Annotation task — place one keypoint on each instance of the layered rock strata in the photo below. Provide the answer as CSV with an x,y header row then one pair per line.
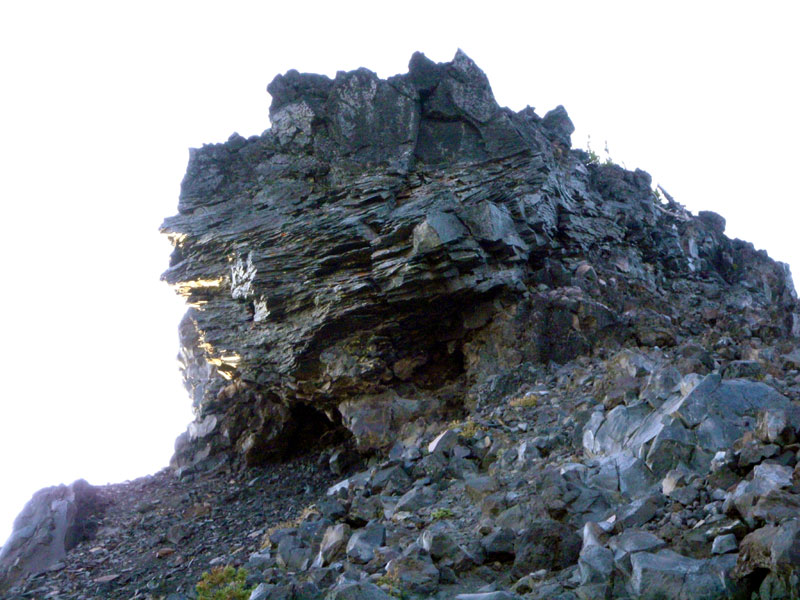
x,y
624,379
387,246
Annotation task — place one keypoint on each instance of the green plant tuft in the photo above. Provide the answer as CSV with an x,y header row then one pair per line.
x,y
594,157
442,513
469,429
390,584
223,583
526,401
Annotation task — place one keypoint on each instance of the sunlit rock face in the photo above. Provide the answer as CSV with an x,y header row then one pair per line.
x,y
388,247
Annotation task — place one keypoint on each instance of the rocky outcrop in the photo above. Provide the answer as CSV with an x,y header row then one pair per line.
x,y
389,246
509,371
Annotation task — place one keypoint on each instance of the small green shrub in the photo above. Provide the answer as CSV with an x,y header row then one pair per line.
x,y
658,198
223,583
594,158
469,429
442,513
390,584
466,429
526,401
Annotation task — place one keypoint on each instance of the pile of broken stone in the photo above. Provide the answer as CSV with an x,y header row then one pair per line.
x,y
152,536
633,476
688,487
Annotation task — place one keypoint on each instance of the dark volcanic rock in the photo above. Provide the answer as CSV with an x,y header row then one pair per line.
x,y
389,244
526,343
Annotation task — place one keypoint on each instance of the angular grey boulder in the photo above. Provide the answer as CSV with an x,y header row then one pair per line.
x,y
361,590
667,574
363,543
334,542
774,548
439,542
53,522
686,430
414,572
546,544
746,498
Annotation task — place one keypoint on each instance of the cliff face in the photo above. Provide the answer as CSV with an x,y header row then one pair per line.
x,y
390,248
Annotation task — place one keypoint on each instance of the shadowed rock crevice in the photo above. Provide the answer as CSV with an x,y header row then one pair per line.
x,y
316,431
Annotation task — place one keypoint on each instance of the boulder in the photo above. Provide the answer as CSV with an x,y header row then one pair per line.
x,y
628,543
546,544
416,498
776,426
444,442
333,543
55,520
667,574
439,542
775,548
686,430
479,487
293,554
596,566
363,543
638,512
361,590
747,496
499,545
414,571
723,544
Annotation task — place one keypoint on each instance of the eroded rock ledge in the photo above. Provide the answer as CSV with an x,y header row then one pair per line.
x,y
391,249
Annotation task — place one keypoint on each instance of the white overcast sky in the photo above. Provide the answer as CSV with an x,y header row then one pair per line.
x,y
100,102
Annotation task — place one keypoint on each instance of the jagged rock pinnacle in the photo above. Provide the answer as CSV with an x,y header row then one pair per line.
x,y
387,245
526,343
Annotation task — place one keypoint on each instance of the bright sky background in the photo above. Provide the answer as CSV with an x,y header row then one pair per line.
x,y
100,102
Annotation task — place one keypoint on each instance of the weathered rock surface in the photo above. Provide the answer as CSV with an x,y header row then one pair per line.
x,y
389,245
686,430
53,522
532,376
